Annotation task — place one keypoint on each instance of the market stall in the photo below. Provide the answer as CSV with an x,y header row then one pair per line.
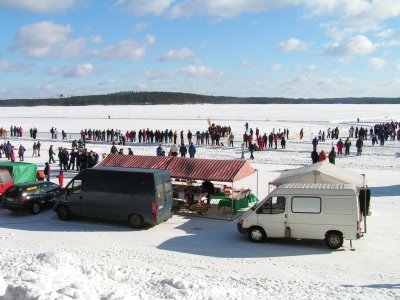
x,y
189,177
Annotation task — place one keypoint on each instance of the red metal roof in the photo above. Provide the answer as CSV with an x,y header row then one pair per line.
x,y
135,161
185,168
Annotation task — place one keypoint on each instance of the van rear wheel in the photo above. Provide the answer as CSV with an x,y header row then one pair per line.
x,y
334,240
136,220
257,234
63,213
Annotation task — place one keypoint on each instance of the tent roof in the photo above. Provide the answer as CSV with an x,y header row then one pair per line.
x,y
321,172
135,161
185,168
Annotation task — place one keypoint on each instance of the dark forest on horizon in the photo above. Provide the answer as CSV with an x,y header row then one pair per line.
x,y
168,98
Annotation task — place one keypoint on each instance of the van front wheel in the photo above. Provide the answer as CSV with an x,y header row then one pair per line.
x,y
63,213
135,220
334,240
257,234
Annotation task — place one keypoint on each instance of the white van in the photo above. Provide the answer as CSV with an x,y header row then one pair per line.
x,y
305,211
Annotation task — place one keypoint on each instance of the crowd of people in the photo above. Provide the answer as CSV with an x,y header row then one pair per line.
x,y
211,136
184,143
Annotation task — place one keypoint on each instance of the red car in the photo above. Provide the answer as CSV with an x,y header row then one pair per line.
x,y
6,181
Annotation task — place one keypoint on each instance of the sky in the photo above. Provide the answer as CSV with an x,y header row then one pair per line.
x,y
244,48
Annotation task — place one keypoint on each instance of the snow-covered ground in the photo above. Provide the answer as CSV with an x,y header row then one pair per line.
x,y
197,258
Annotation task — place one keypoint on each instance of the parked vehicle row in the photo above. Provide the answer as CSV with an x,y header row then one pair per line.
x,y
144,196
137,196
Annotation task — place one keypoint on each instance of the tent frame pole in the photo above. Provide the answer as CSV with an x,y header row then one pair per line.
x,y
257,183
365,204
232,215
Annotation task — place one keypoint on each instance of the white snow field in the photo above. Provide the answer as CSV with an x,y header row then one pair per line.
x,y
42,257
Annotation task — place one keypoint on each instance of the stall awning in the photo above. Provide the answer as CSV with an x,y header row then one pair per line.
x,y
185,168
321,172
135,161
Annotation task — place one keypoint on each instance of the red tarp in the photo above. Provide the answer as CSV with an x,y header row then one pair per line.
x,y
184,168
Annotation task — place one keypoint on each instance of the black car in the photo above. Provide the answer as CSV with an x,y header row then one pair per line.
x,y
32,196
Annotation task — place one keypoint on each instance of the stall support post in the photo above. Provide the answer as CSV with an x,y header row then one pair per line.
x,y
257,183
365,203
232,203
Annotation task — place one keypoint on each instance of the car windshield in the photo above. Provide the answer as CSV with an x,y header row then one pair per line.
x,y
18,191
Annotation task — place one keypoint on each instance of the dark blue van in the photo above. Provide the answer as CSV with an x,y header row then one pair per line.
x,y
139,196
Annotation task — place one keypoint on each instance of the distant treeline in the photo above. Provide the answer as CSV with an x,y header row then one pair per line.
x,y
153,98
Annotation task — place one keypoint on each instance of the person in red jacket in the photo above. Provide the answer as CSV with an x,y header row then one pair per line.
x,y
339,146
276,137
322,156
60,177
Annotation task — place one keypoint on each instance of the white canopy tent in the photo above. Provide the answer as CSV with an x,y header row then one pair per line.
x,y
321,172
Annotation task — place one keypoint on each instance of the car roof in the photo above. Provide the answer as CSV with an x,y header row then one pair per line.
x,y
33,183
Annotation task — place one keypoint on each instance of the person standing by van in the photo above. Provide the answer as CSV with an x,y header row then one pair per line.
x,y
46,171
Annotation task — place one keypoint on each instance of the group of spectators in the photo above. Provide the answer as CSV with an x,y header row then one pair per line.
x,y
78,158
211,136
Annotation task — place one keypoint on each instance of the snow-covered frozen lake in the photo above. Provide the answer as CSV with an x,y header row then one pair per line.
x,y
197,258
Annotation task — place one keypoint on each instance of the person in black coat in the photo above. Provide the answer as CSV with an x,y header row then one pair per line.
x,y
332,156
252,147
314,156
183,150
209,188
315,143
